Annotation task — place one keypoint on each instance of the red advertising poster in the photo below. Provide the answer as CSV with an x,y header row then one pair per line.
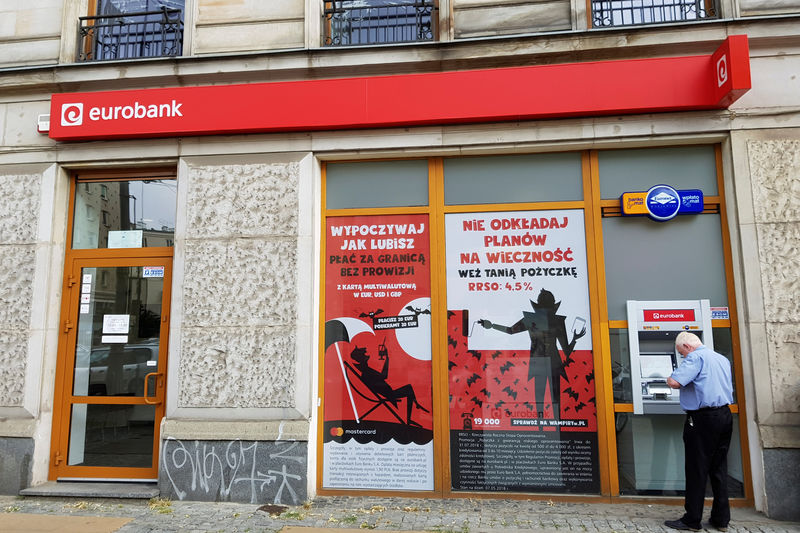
x,y
522,399
378,429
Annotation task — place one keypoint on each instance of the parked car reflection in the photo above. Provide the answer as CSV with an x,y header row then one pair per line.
x,y
119,369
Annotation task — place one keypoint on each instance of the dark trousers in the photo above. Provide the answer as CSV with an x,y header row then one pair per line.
x,y
706,438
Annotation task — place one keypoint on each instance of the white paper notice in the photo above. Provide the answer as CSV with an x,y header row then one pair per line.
x,y
87,278
114,339
125,239
116,324
84,309
153,272
86,298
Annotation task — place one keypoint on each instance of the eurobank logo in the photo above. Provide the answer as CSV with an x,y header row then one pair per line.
x,y
72,114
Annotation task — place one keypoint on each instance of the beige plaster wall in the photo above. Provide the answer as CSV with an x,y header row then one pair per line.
x,y
248,25
478,18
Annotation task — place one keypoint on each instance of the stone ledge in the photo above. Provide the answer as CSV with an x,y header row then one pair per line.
x,y
62,489
779,436
258,430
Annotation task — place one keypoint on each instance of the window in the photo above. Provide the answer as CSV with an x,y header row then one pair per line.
x,y
607,13
364,22
129,29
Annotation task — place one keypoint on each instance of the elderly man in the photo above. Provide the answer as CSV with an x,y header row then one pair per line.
x,y
704,379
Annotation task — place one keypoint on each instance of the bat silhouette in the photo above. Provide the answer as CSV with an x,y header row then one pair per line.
x,y
485,366
589,377
371,314
452,342
477,401
450,314
418,312
572,394
476,354
528,406
496,354
508,412
568,408
497,380
579,406
450,365
472,379
486,393
511,392
592,400
499,404
516,381
506,367
568,360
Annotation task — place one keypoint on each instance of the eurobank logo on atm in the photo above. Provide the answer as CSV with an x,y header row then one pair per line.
x,y
662,202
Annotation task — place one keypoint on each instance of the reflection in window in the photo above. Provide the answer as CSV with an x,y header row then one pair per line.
x,y
638,12
360,22
132,214
125,29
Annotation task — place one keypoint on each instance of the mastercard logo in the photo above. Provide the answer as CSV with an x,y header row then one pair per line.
x,y
337,432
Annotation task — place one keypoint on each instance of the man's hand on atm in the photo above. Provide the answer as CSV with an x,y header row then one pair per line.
x,y
673,384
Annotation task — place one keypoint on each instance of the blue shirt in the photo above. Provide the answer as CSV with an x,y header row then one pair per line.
x,y
705,378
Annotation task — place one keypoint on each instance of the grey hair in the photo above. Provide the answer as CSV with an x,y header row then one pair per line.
x,y
684,337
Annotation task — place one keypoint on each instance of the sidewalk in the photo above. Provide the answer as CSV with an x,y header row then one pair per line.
x,y
37,514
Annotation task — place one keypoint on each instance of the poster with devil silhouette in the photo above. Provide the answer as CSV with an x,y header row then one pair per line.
x,y
521,376
378,429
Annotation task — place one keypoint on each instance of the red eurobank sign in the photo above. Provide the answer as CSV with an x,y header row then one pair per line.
x,y
668,315
458,97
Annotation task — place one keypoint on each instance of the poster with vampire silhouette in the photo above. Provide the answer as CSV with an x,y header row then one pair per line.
x,y
523,414
378,430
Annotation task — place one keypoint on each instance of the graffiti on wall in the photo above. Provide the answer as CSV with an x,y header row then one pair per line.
x,y
242,471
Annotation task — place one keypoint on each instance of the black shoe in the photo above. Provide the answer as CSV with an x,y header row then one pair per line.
x,y
678,524
718,528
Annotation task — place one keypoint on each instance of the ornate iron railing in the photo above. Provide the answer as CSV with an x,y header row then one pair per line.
x,y
130,35
612,13
365,22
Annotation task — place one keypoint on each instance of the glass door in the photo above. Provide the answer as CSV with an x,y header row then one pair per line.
x,y
112,373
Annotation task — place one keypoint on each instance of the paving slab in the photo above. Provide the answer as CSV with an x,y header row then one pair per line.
x,y
38,523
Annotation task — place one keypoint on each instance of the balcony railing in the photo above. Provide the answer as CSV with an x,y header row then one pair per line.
x,y
365,22
130,35
613,13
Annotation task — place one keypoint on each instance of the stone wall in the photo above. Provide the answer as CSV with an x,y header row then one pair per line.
x,y
19,212
774,166
239,287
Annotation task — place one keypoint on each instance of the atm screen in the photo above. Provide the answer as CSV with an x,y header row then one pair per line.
x,y
656,366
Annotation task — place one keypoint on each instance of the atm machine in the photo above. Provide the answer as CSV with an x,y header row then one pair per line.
x,y
650,446
652,328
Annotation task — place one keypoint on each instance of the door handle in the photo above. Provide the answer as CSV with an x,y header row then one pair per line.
x,y
157,376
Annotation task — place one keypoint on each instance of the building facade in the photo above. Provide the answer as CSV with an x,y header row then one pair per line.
x,y
256,251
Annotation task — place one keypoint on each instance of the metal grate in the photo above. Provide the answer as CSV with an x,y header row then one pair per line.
x,y
610,13
364,22
130,35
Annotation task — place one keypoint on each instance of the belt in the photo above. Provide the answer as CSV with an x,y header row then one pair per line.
x,y
703,409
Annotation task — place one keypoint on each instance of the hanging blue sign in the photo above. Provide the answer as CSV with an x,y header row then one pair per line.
x,y
662,202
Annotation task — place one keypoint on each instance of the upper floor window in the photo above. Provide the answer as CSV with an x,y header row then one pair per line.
x,y
363,22
608,13
129,29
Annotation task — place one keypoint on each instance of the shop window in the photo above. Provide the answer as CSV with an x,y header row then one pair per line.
x,y
377,184
359,22
130,29
650,456
614,13
136,213
513,179
678,260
